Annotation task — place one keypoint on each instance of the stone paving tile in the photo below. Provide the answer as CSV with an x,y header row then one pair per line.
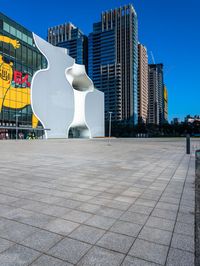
x,y
110,212
50,199
30,217
185,229
80,197
134,217
167,206
178,257
140,209
149,251
41,240
160,223
91,208
129,229
150,196
70,250
20,231
116,242
155,235
7,199
100,222
77,216
68,203
5,244
54,210
145,202
183,242
185,218
188,203
4,210
131,193
123,206
166,214
131,261
83,181
186,209
169,200
87,234
61,226
101,257
18,255
46,260
125,199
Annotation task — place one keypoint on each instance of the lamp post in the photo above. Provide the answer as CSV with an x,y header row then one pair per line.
x,y
110,122
16,122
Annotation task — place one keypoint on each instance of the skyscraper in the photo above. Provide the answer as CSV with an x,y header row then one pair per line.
x,y
113,61
69,36
156,94
165,104
142,84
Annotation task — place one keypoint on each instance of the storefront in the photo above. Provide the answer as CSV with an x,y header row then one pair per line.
x,y
19,60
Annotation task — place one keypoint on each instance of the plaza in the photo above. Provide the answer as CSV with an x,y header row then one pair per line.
x,y
84,202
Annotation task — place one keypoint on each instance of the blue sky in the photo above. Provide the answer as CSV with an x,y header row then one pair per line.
x,y
168,28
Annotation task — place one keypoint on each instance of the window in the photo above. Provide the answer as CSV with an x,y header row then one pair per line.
x,y
12,31
24,37
6,27
19,34
30,41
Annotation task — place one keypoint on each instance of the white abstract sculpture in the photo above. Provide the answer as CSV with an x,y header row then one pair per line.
x,y
63,97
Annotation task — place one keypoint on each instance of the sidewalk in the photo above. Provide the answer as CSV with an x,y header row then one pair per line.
x,y
82,202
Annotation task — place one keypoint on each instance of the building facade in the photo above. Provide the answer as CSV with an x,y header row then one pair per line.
x,y
19,60
113,62
165,104
72,38
143,90
156,94
43,90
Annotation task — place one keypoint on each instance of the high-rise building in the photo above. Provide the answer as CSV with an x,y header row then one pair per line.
x,y
72,38
165,104
113,61
143,89
156,94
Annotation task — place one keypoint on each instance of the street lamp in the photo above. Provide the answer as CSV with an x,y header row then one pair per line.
x,y
16,123
110,121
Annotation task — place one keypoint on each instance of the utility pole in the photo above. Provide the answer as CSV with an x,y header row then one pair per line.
x,y
110,122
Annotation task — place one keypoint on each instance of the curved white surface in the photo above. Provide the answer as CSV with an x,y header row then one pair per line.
x,y
63,96
52,97
94,113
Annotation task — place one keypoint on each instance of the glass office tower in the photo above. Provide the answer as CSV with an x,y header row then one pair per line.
x,y
19,59
156,94
72,38
113,62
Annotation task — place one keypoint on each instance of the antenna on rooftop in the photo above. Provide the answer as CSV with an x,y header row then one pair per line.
x,y
152,57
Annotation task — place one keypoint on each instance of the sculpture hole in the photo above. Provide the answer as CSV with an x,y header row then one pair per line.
x,y
79,132
82,84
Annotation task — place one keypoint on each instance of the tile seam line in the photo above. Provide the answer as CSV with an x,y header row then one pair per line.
x,y
180,160
179,208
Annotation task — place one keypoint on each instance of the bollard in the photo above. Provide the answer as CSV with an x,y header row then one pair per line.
x,y
188,144
197,163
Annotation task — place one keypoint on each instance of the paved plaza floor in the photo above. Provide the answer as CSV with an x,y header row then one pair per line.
x,y
83,202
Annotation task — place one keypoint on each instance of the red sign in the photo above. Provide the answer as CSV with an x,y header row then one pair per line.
x,y
20,79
